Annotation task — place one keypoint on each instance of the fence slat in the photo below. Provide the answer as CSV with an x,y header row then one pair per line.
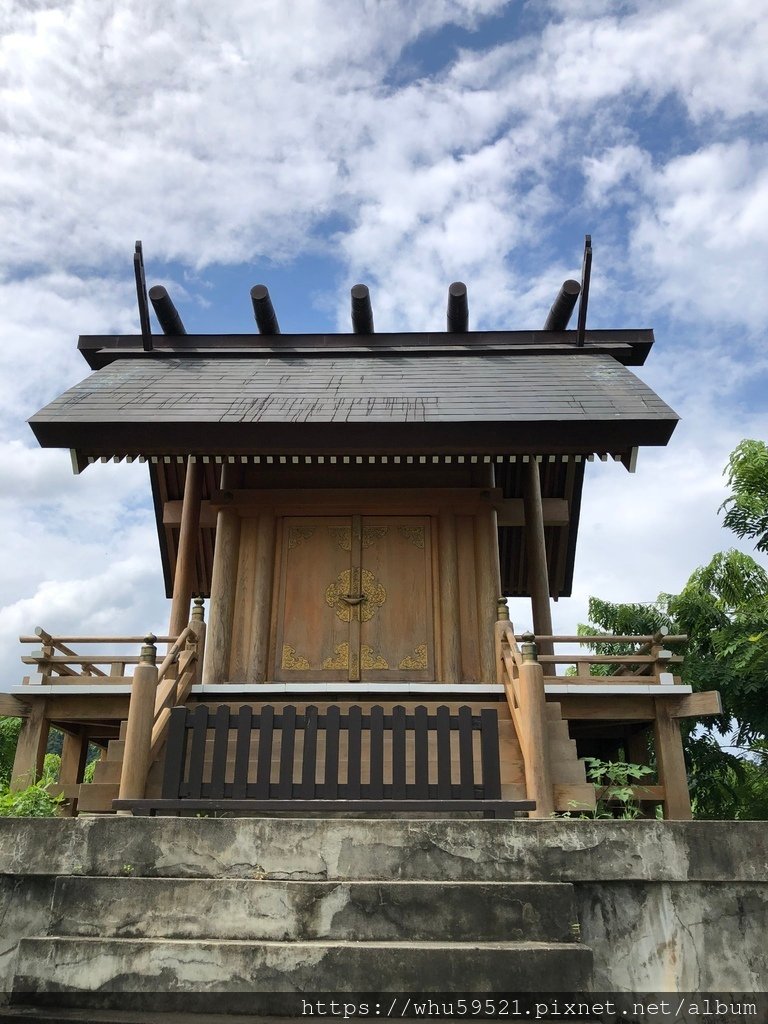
x,y
376,789
354,729
443,753
309,754
242,752
331,773
421,753
175,754
199,719
466,754
398,752
287,748
220,746
264,756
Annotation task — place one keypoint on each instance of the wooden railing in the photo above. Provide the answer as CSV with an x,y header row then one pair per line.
x,y
57,662
154,689
153,693
523,680
652,661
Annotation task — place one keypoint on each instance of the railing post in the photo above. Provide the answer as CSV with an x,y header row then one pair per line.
x,y
661,659
533,713
197,622
502,617
141,715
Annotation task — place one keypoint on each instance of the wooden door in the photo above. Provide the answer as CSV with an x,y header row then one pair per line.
x,y
355,599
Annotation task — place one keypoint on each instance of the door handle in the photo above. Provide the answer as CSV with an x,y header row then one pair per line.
x,y
351,599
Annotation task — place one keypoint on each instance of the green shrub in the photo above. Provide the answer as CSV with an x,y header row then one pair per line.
x,y
9,735
618,800
33,802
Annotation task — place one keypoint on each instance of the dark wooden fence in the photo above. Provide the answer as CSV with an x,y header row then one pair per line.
x,y
272,760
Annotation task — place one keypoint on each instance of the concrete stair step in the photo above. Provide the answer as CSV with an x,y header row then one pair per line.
x,y
183,908
161,973
310,849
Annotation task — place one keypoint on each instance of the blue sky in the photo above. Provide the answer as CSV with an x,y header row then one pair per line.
x,y
313,144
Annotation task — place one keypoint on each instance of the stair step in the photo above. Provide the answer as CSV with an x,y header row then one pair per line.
x,y
183,908
162,973
97,796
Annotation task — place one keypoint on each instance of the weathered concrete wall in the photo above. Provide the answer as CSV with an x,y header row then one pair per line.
x,y
665,906
676,936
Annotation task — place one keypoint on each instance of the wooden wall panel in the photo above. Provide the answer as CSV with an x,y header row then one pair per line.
x,y
448,575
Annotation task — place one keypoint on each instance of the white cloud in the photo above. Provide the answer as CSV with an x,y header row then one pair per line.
x,y
701,234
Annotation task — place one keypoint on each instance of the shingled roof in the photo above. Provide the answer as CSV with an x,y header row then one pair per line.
x,y
464,401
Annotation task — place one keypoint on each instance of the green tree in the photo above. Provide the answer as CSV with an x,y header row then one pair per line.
x,y
9,735
747,507
723,609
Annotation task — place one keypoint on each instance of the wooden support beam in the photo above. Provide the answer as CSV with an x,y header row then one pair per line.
x,y
262,598
671,763
222,604
172,511
184,578
511,511
693,705
74,751
30,749
11,707
488,577
536,551
554,510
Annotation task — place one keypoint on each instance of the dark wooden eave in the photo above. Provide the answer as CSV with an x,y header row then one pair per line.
x,y
458,401
630,347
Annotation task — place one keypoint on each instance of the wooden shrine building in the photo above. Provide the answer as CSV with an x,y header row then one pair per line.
x,y
354,506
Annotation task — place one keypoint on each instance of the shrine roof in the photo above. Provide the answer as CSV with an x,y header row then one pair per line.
x,y
459,400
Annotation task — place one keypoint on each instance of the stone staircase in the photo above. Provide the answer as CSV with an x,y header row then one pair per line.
x,y
162,922
568,772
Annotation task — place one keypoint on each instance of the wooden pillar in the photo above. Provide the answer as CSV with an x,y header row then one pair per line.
x,y
450,622
536,552
221,612
671,763
488,588
30,749
258,670
138,732
74,751
186,556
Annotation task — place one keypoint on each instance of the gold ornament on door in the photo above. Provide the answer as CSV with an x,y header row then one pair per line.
x,y
355,589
